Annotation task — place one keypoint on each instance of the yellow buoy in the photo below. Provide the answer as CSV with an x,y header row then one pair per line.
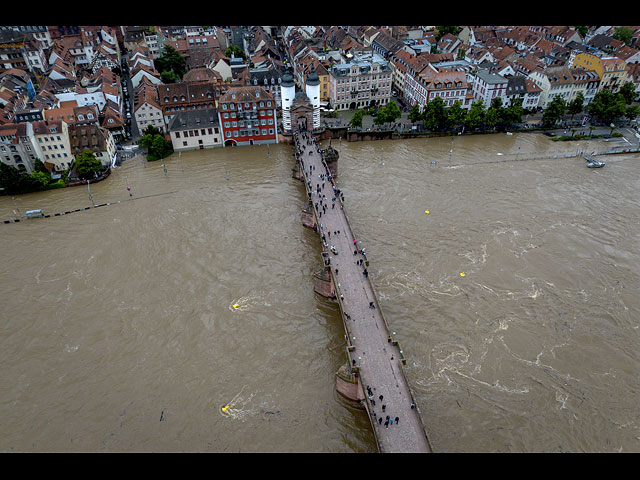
x,y
462,274
235,305
427,212
224,409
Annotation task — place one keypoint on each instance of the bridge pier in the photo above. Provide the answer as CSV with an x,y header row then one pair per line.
x,y
323,285
348,385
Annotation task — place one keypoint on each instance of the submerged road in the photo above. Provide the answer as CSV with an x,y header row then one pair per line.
x,y
376,354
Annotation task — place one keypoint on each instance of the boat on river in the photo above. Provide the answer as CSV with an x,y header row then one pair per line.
x,y
593,163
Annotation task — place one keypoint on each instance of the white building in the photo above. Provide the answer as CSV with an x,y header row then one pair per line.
x,y
146,108
16,147
487,86
312,89
287,94
362,82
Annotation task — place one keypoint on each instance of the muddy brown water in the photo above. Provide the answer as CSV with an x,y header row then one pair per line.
x,y
184,319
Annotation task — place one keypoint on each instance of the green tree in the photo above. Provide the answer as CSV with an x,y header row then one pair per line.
x,y
14,181
632,112
513,113
576,105
235,51
492,116
582,30
628,91
455,115
171,61
156,145
169,77
38,166
607,106
415,115
495,113
554,111
435,115
389,113
87,164
40,179
393,111
623,34
444,29
476,114
151,130
356,120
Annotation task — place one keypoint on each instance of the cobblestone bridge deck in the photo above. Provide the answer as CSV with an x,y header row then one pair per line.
x,y
374,359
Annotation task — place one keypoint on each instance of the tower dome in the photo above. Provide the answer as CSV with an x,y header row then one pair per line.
x,y
287,80
313,79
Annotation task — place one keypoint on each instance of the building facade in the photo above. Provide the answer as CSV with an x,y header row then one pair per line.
x,y
247,116
362,82
195,129
488,85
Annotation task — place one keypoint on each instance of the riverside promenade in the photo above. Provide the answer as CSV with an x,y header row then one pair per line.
x,y
375,357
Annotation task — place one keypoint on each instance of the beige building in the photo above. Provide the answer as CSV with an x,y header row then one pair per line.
x,y
51,138
195,129
362,82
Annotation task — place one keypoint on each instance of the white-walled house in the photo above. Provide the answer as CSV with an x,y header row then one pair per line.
x,y
488,85
146,108
143,71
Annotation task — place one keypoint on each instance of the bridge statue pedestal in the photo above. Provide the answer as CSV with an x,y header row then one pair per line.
x,y
330,156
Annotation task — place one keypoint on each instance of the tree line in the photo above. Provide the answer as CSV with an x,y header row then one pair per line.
x,y
606,107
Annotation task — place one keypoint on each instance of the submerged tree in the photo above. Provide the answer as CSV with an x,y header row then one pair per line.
x,y
87,165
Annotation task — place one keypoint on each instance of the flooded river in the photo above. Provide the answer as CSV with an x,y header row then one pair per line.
x,y
183,318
